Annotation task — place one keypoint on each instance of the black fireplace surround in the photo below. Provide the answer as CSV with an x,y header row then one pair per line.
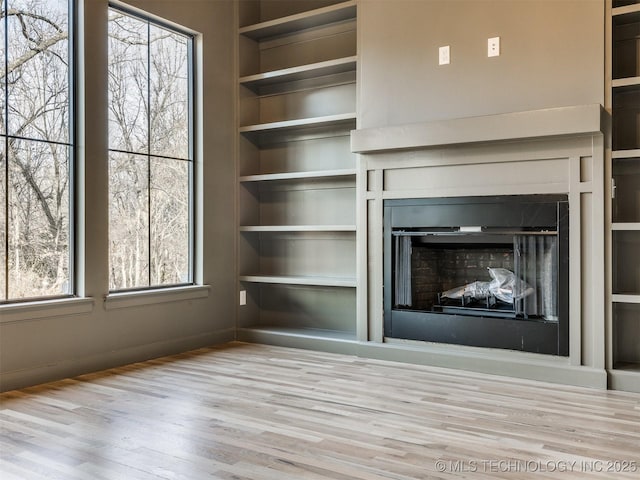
x,y
480,271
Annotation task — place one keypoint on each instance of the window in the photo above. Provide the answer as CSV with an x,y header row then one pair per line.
x,y
150,153
36,149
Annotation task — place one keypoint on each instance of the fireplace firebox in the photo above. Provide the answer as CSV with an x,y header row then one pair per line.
x,y
479,271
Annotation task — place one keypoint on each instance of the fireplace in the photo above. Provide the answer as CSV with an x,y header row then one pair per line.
x,y
478,271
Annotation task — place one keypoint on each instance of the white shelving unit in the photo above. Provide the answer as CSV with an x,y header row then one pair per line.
x,y
624,357
297,175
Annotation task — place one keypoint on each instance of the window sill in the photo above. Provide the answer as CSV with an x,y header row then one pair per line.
x,y
44,309
150,297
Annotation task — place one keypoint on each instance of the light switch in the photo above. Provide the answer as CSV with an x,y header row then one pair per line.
x,y
444,55
243,297
493,47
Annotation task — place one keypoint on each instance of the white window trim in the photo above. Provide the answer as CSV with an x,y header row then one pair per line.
x,y
41,309
152,296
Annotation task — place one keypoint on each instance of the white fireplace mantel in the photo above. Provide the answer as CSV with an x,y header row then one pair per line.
x,y
528,125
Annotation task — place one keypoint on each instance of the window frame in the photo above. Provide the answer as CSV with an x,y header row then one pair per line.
x,y
73,13
192,73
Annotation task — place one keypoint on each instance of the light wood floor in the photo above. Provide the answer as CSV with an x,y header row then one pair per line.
x,y
259,412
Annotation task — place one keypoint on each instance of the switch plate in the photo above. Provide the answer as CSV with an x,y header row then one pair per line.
x,y
444,55
243,297
493,47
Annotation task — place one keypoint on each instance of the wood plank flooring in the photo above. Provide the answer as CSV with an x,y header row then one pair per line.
x,y
244,411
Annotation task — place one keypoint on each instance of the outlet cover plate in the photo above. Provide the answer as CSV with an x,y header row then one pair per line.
x,y
444,55
493,47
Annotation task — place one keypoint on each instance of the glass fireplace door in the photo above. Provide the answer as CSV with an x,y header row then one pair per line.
x,y
478,271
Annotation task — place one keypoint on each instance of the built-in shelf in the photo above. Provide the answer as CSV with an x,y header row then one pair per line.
x,y
308,338
622,226
302,72
625,298
624,376
627,367
629,82
328,120
624,103
625,153
298,175
625,10
301,21
300,280
298,228
297,239
305,332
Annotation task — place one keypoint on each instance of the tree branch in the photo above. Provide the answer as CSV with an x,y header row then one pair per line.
x,y
36,49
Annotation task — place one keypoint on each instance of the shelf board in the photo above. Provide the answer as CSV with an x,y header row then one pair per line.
x,y
626,377
307,338
627,367
298,228
625,10
302,72
300,280
625,153
304,332
625,298
624,226
327,120
346,172
628,82
300,21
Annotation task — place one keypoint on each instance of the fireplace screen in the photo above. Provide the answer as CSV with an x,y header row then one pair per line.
x,y
499,282
505,274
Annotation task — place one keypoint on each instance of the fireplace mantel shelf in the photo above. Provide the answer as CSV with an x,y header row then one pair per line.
x,y
532,124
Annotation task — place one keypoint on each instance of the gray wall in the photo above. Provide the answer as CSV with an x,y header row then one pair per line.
x,y
33,350
552,55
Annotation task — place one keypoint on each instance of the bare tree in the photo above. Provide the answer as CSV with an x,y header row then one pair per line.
x,y
149,139
35,154
149,160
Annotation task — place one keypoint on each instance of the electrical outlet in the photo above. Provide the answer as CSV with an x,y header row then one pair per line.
x,y
493,47
243,297
444,55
